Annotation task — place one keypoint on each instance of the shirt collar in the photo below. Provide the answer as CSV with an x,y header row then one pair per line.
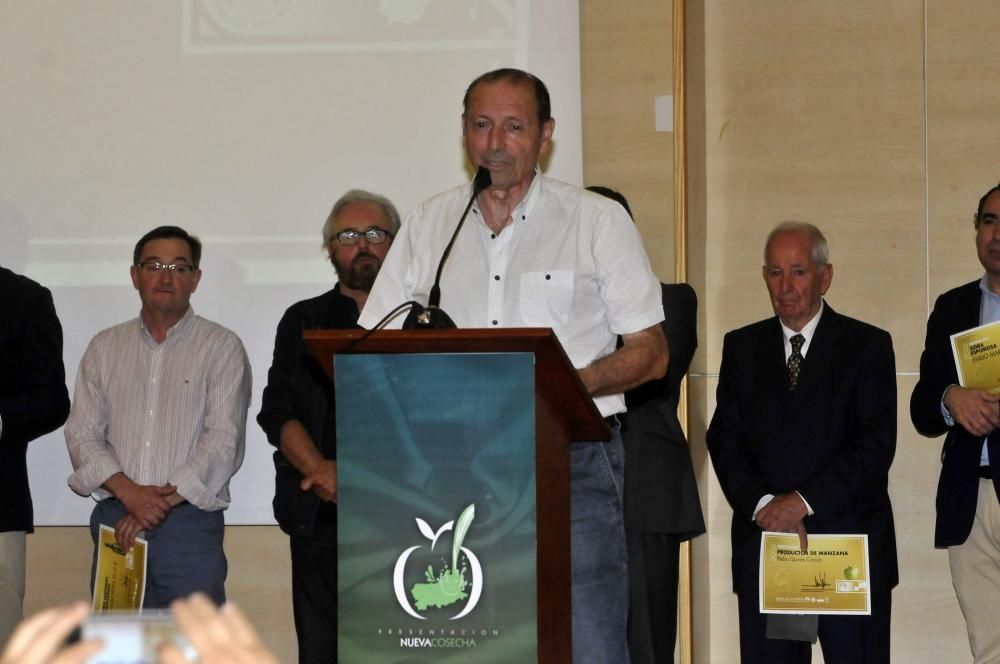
x,y
344,301
989,302
984,285
807,331
527,203
175,331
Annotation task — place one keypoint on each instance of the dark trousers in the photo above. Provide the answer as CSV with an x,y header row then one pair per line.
x,y
844,639
653,563
185,553
314,593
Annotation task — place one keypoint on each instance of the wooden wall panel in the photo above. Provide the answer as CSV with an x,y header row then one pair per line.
x,y
626,61
816,111
963,102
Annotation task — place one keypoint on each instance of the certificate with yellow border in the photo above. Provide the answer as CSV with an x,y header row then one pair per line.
x,y
977,357
830,578
120,582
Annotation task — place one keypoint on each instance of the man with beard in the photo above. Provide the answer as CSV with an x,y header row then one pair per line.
x,y
298,417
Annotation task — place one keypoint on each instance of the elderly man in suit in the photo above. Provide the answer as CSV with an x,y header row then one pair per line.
x,y
968,495
33,402
802,439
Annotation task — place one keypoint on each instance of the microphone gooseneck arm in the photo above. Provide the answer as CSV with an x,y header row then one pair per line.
x,y
432,316
481,181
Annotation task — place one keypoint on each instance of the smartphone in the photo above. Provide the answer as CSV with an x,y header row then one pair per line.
x,y
133,638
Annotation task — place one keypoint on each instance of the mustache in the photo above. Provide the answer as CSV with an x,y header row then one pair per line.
x,y
498,155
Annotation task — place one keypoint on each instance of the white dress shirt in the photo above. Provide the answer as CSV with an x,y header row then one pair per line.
x,y
570,260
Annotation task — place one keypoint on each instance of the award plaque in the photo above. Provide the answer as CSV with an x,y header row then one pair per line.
x,y
120,582
831,577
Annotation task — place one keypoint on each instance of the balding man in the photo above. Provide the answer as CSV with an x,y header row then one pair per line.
x,y
802,439
537,252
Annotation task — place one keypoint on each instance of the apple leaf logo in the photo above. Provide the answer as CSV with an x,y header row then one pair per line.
x,y
452,583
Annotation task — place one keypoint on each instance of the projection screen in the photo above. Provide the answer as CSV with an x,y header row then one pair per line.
x,y
242,121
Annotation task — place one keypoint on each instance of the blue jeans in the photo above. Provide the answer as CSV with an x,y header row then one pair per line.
x,y
597,535
184,556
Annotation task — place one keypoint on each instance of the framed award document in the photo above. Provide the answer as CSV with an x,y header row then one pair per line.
x,y
831,577
120,581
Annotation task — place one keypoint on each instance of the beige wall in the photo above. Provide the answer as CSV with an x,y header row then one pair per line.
x,y
824,112
625,53
875,121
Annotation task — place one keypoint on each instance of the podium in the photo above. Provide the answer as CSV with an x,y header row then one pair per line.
x,y
453,492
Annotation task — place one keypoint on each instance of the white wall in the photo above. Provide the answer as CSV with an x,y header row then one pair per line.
x,y
241,121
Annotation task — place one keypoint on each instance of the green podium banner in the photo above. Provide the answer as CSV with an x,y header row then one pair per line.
x,y
436,508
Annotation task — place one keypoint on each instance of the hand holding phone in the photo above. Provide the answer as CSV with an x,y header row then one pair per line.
x,y
219,635
42,637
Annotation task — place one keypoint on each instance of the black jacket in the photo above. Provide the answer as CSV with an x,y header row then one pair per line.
x,y
299,389
33,395
661,495
958,486
832,439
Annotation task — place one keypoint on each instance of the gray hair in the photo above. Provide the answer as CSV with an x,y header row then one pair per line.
x,y
360,196
820,252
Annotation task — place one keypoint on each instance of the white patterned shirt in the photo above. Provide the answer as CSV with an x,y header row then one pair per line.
x,y
174,412
570,260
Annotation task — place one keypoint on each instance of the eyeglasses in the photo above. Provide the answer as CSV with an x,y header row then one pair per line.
x,y
155,267
373,235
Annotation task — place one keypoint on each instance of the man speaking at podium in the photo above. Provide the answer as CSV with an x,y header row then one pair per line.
x,y
540,253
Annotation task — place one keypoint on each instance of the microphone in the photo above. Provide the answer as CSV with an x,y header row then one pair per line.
x,y
432,317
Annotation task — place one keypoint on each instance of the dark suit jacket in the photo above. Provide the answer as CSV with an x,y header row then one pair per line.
x,y
33,395
958,486
832,439
661,495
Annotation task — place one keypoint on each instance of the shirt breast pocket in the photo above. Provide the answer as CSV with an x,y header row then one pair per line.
x,y
546,297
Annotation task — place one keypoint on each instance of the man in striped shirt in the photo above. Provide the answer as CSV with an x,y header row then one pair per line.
x,y
158,424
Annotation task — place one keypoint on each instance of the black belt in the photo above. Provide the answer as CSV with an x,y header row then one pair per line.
x,y
985,473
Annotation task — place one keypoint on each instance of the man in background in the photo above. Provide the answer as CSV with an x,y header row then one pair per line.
x,y
297,414
802,438
662,508
33,402
158,424
536,252
968,494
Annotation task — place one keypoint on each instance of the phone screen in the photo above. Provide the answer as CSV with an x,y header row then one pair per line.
x,y
133,638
